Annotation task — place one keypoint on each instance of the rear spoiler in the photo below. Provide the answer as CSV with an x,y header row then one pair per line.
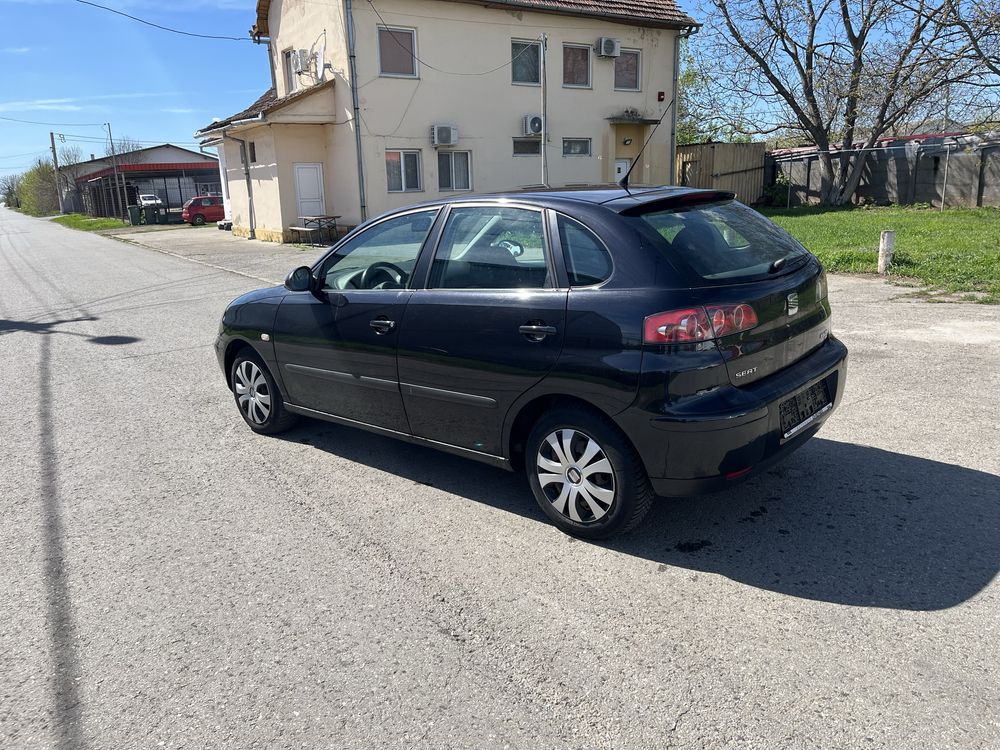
x,y
670,202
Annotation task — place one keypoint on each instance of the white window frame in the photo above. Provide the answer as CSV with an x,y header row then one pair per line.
x,y
538,46
638,70
402,170
590,66
378,51
291,77
590,147
451,164
526,139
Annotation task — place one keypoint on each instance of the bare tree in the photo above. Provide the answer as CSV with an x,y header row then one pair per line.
x,y
125,150
980,23
10,189
834,70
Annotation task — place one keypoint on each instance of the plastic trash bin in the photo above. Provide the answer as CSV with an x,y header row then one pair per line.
x,y
133,215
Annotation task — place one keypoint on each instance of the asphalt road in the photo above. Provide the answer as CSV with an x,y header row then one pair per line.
x,y
169,579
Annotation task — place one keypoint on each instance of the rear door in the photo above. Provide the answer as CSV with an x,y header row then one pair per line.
x,y
487,327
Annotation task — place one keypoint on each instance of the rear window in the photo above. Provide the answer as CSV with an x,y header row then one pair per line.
x,y
722,241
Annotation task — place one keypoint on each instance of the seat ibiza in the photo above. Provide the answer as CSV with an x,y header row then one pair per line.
x,y
612,344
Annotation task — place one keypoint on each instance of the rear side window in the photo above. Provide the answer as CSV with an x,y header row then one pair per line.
x,y
721,241
588,262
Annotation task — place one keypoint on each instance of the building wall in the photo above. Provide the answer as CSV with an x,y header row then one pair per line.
x,y
264,182
397,113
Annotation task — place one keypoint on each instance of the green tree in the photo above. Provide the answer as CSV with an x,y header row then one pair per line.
x,y
38,190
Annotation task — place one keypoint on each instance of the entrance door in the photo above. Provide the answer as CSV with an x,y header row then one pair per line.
x,y
309,198
621,167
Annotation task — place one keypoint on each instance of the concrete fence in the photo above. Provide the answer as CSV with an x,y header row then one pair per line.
x,y
949,171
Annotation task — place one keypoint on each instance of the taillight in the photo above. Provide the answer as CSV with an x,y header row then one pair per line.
x,y
728,319
698,324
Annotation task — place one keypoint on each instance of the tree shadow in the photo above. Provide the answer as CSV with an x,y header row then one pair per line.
x,y
834,522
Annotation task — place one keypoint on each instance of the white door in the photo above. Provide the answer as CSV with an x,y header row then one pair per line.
x,y
309,198
621,167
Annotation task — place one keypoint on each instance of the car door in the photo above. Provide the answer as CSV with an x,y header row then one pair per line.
x,y
336,348
487,326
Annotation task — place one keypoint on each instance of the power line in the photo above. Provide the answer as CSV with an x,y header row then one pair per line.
x,y
166,28
57,124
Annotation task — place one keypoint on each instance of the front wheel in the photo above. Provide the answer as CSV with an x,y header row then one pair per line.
x,y
257,397
585,474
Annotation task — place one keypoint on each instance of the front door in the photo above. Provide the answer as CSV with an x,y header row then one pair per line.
x,y
488,327
309,197
621,168
336,349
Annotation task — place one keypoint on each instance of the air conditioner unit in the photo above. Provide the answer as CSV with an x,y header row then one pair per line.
x,y
444,135
301,61
608,47
532,124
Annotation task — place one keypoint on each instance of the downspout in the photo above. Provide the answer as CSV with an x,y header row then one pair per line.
x,y
357,106
244,157
684,33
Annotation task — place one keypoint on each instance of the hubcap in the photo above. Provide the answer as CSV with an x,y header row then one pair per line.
x,y
252,393
575,475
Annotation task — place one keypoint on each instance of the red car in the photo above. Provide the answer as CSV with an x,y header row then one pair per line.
x,y
203,208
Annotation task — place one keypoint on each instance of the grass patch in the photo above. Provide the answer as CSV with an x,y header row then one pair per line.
x,y
955,251
88,223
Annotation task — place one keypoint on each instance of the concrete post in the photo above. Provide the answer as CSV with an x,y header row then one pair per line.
x,y
886,247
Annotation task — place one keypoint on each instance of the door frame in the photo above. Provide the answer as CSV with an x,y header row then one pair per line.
x,y
322,187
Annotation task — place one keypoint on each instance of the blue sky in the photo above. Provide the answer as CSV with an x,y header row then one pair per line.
x,y
64,62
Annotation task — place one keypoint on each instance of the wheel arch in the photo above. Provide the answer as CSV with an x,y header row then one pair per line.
x,y
530,412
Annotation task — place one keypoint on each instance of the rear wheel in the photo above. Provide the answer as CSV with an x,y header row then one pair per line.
x,y
198,220
585,474
257,396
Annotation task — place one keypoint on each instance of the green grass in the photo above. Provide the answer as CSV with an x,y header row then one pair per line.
x,y
88,223
955,251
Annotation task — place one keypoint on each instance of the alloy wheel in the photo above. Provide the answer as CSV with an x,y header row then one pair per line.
x,y
252,392
575,475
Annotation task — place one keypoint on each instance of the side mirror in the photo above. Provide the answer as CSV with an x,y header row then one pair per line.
x,y
300,280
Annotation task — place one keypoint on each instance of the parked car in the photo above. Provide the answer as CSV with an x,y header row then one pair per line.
x,y
150,200
203,208
612,344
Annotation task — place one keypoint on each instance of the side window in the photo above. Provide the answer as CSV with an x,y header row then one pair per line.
x,y
588,261
381,257
491,247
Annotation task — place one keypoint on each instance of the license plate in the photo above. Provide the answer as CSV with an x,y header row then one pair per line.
x,y
800,411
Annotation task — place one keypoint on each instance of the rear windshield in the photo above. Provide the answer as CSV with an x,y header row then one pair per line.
x,y
722,241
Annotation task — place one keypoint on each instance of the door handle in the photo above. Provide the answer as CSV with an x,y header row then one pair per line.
x,y
381,325
537,332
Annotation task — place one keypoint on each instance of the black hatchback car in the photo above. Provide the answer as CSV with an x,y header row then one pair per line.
x,y
613,344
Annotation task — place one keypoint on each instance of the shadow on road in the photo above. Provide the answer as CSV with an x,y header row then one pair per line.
x,y
834,522
67,672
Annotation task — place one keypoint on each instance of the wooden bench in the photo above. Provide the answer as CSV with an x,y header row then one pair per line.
x,y
305,230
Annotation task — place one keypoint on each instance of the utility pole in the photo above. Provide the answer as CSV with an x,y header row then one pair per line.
x,y
118,199
55,166
545,119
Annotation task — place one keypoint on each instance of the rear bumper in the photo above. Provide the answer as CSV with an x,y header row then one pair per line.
x,y
737,433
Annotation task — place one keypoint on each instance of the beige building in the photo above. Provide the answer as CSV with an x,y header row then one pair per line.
x,y
445,97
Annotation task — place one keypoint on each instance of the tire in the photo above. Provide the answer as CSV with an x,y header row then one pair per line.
x,y
197,220
257,397
575,494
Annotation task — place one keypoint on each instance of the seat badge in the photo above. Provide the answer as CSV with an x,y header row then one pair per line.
x,y
793,303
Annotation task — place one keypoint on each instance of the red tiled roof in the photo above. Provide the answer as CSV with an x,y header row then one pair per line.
x,y
268,102
656,13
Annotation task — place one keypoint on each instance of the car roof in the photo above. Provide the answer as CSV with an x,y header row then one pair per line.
x,y
614,197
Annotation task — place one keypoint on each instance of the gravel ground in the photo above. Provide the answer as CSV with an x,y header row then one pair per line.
x,y
169,579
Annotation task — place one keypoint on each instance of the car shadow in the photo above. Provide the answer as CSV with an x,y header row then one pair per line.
x,y
834,522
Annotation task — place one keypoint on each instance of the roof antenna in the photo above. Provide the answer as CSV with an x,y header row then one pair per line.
x,y
623,182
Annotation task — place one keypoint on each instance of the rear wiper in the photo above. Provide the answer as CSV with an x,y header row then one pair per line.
x,y
780,263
